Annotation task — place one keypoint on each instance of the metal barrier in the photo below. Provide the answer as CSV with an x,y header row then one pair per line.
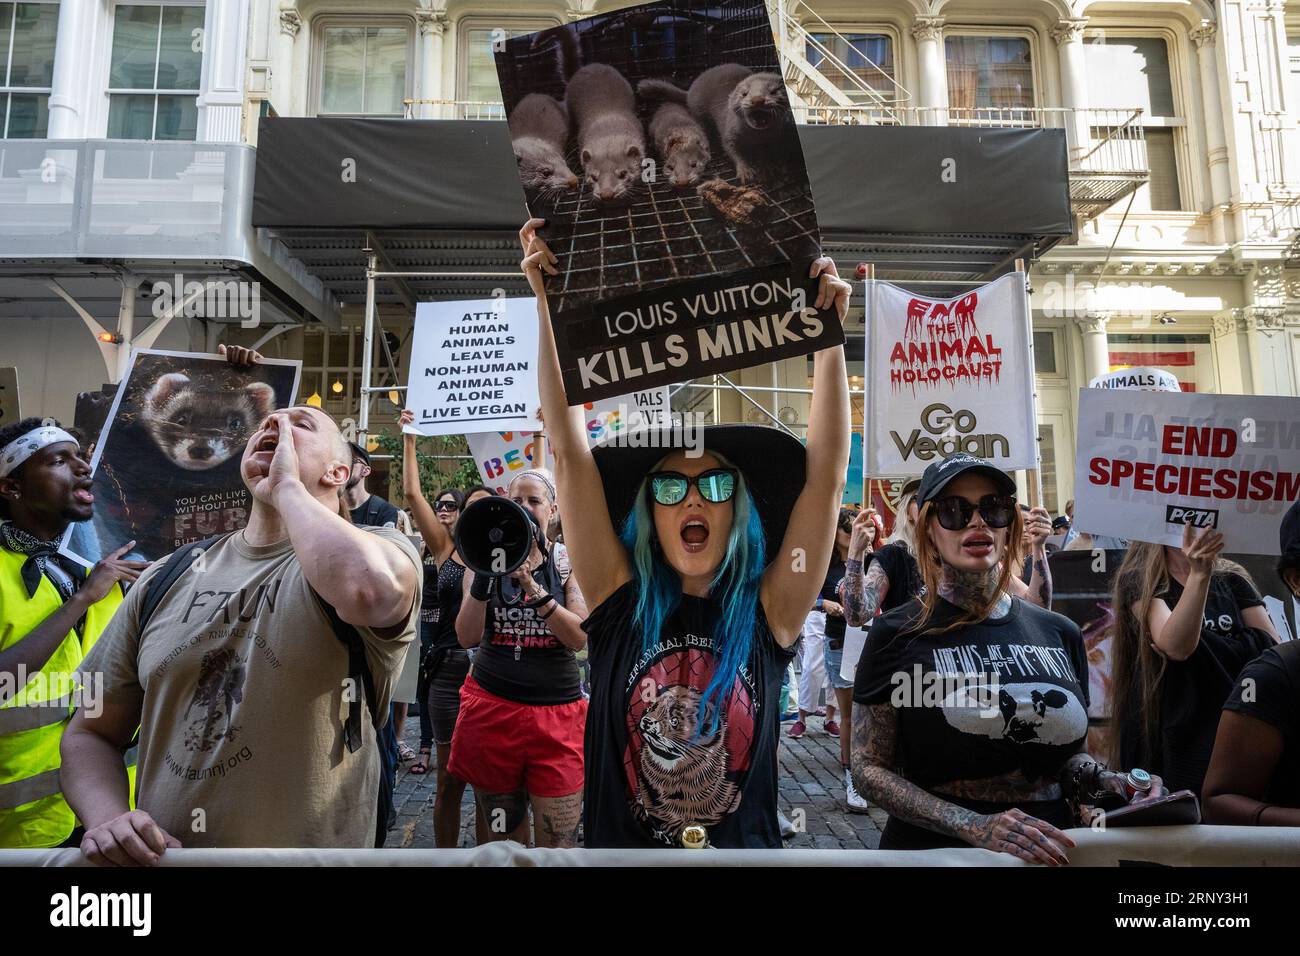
x,y
1166,846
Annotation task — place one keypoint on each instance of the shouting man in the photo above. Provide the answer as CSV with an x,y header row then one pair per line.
x,y
245,678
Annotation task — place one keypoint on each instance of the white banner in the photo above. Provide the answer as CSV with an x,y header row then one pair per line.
x,y
1143,378
501,455
1149,462
947,376
473,367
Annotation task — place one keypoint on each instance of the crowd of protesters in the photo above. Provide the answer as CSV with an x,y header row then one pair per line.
x,y
673,575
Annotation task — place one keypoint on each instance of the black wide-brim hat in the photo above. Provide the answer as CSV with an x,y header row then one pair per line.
x,y
773,462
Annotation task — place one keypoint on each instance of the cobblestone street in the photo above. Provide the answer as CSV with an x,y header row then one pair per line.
x,y
811,796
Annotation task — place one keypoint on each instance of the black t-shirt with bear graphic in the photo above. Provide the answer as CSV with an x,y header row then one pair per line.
x,y
651,766
978,701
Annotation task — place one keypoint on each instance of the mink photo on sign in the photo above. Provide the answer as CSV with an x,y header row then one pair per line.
x,y
166,465
658,144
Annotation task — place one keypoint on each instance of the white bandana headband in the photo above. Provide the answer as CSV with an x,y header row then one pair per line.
x,y
24,446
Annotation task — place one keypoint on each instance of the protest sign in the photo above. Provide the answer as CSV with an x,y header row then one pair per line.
x,y
659,146
500,455
947,376
1142,378
9,404
613,416
1150,462
473,366
166,466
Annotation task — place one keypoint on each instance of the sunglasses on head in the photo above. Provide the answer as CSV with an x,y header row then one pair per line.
x,y
954,512
446,506
671,487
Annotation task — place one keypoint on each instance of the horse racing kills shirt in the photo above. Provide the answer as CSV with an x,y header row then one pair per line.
x,y
240,683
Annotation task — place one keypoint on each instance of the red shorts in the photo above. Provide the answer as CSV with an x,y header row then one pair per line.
x,y
500,746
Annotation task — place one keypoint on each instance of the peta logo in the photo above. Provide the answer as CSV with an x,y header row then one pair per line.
x,y
74,909
1199,517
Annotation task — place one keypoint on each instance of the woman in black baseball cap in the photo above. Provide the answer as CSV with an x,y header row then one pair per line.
x,y
700,564
981,698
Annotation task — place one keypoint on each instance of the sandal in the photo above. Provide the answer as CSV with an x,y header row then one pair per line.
x,y
421,765
404,752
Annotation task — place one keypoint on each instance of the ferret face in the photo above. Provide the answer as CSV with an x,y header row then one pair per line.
x,y
687,155
612,166
200,428
760,101
541,166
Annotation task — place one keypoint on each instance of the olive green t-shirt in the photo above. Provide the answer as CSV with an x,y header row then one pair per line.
x,y
242,689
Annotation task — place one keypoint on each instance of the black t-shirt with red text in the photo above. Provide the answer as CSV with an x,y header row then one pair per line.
x,y
652,767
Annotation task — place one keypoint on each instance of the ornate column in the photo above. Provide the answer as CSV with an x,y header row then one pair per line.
x,y
282,71
433,28
68,90
1216,141
1270,363
1096,347
1068,34
932,79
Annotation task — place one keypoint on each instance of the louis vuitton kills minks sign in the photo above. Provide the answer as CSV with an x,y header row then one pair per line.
x,y
658,144
947,376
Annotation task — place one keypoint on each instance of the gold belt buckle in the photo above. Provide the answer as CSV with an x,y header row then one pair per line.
x,y
693,836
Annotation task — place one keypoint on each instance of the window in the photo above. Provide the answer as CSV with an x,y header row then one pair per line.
x,y
1293,47
27,32
478,81
1189,357
153,77
1044,353
989,72
365,67
868,56
1125,73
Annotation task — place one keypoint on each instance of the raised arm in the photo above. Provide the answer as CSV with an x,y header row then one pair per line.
x,y
436,537
862,595
1176,634
1039,589
599,560
790,586
368,580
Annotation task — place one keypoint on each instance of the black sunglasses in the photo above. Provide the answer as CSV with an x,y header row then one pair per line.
x,y
954,512
446,506
671,487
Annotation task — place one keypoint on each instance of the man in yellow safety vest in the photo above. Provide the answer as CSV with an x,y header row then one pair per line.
x,y
51,613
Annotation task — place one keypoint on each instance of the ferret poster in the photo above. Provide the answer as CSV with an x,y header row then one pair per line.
x,y
166,465
658,144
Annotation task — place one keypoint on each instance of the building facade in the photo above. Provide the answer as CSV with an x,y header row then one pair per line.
x,y
1189,262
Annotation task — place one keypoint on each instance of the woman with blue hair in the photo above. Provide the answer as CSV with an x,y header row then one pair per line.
x,y
700,564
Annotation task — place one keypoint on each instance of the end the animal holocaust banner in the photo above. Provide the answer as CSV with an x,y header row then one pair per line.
x,y
658,144
1149,463
947,376
167,464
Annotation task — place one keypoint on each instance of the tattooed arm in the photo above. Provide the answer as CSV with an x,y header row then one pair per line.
x,y
862,598
1039,589
875,736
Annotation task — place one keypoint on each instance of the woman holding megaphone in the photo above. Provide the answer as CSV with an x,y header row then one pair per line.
x,y
701,564
518,739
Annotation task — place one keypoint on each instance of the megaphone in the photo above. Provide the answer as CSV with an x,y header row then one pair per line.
x,y
495,536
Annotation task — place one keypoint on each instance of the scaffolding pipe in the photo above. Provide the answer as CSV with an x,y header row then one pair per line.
x,y
367,350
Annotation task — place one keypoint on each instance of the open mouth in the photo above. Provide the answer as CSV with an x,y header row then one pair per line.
x,y
264,450
760,117
695,535
82,494
978,545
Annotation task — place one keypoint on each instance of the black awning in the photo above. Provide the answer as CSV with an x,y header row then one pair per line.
x,y
458,177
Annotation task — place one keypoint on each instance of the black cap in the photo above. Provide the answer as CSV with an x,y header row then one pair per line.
x,y
937,476
359,452
1289,534
1061,521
